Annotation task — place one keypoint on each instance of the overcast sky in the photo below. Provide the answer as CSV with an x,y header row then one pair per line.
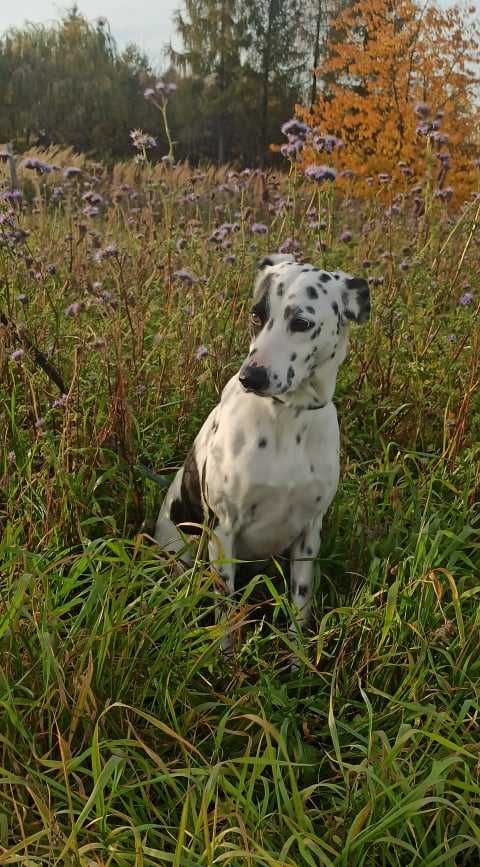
x,y
146,22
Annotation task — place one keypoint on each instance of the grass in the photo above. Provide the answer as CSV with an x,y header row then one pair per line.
x,y
125,738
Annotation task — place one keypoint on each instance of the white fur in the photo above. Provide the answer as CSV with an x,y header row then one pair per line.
x,y
268,465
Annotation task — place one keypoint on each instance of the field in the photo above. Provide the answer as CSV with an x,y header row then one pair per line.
x,y
125,737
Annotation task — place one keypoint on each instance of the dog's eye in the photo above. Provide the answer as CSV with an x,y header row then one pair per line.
x,y
301,325
255,320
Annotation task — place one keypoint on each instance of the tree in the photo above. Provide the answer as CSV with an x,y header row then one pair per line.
x,y
213,35
69,81
274,53
384,58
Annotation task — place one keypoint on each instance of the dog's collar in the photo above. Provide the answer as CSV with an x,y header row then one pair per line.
x,y
297,406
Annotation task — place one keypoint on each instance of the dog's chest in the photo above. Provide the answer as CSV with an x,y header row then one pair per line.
x,y
268,474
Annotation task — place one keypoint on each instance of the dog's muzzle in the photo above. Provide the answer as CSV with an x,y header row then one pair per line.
x,y
254,378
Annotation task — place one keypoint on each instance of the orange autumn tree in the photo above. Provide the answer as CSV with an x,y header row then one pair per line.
x,y
392,71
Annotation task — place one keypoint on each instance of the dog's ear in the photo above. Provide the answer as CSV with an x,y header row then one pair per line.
x,y
273,259
264,277
356,299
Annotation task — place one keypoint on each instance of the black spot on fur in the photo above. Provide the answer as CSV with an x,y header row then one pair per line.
x,y
214,427
290,374
332,355
312,292
262,308
188,508
335,307
262,443
317,499
293,356
325,278
294,589
310,309
287,312
303,590
337,276
270,324
312,468
253,352
264,263
299,438
357,283
309,551
280,288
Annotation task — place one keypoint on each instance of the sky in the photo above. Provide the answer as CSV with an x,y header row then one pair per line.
x,y
146,22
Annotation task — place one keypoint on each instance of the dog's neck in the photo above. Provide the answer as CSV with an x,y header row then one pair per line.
x,y
315,392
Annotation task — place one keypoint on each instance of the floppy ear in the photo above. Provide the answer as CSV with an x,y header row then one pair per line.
x,y
264,277
356,299
273,259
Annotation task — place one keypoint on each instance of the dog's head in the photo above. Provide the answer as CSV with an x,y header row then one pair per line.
x,y
300,316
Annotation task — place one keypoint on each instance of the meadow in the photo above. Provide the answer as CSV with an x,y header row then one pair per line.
x,y
125,737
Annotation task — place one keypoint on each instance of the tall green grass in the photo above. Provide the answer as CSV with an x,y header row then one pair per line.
x,y
125,736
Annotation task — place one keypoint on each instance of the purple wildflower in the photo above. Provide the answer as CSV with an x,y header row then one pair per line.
x,y
148,93
295,128
72,172
259,228
423,129
12,195
73,309
444,194
17,355
294,146
346,236
37,166
320,173
142,140
60,402
289,246
185,276
201,352
327,143
465,299
422,109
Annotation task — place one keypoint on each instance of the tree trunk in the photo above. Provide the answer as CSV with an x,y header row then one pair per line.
x,y
222,86
265,85
316,55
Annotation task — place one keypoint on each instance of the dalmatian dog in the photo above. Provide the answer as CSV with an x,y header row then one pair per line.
x,y
264,467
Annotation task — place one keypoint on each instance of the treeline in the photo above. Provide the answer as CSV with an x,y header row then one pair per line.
x,y
241,67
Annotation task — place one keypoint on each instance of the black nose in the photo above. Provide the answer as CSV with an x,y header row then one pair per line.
x,y
254,378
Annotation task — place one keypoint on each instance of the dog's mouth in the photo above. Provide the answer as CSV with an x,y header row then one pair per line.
x,y
256,391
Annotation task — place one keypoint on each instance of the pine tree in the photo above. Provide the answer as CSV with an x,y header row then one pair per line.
x,y
274,52
213,34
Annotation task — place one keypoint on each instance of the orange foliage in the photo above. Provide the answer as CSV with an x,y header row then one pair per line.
x,y
383,58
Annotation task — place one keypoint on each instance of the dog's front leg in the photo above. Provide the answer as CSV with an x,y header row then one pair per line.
x,y
302,556
221,553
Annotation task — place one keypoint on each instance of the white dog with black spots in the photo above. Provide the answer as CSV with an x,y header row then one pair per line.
x,y
264,467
